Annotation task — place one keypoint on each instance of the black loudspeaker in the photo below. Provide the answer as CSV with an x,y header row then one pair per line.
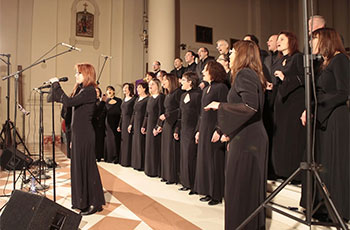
x,y
8,159
27,211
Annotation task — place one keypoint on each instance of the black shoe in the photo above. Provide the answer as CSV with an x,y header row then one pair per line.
x,y
184,189
192,193
214,202
162,180
205,199
91,210
168,182
322,217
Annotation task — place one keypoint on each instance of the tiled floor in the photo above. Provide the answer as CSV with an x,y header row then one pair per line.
x,y
135,201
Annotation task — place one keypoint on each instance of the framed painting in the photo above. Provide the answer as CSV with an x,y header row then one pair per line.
x,y
84,24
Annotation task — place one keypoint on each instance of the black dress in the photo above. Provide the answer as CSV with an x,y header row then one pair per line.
x,y
126,138
190,107
85,178
138,139
155,107
98,122
66,114
210,156
170,148
112,138
289,135
246,161
332,133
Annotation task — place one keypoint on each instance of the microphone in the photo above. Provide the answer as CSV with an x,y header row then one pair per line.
x,y
47,84
25,112
63,79
71,47
106,56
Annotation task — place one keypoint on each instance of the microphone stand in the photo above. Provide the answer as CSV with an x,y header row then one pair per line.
x,y
103,65
53,145
16,76
7,127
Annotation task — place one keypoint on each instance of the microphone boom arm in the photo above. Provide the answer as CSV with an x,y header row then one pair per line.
x,y
99,75
34,64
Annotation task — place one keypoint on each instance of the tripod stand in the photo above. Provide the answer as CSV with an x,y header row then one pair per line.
x,y
8,126
16,76
310,166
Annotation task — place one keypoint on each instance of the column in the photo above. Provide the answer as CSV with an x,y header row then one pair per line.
x,y
161,33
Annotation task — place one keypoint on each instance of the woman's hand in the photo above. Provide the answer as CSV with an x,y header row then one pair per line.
x,y
143,130
279,74
129,128
303,118
162,117
196,137
215,137
157,131
176,136
224,138
53,80
269,86
104,97
214,105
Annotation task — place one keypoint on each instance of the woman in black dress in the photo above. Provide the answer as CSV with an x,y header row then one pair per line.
x,y
209,179
155,107
98,121
289,135
241,122
127,110
190,107
332,119
135,126
87,192
170,148
112,138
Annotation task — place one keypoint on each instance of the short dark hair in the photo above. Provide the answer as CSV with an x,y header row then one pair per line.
x,y
216,71
193,53
158,62
179,59
110,87
153,75
206,50
144,85
131,88
253,38
192,77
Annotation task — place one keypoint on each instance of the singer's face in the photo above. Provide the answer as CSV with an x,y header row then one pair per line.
x,y
140,90
283,44
79,78
126,90
315,48
153,87
185,84
110,93
165,83
206,75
